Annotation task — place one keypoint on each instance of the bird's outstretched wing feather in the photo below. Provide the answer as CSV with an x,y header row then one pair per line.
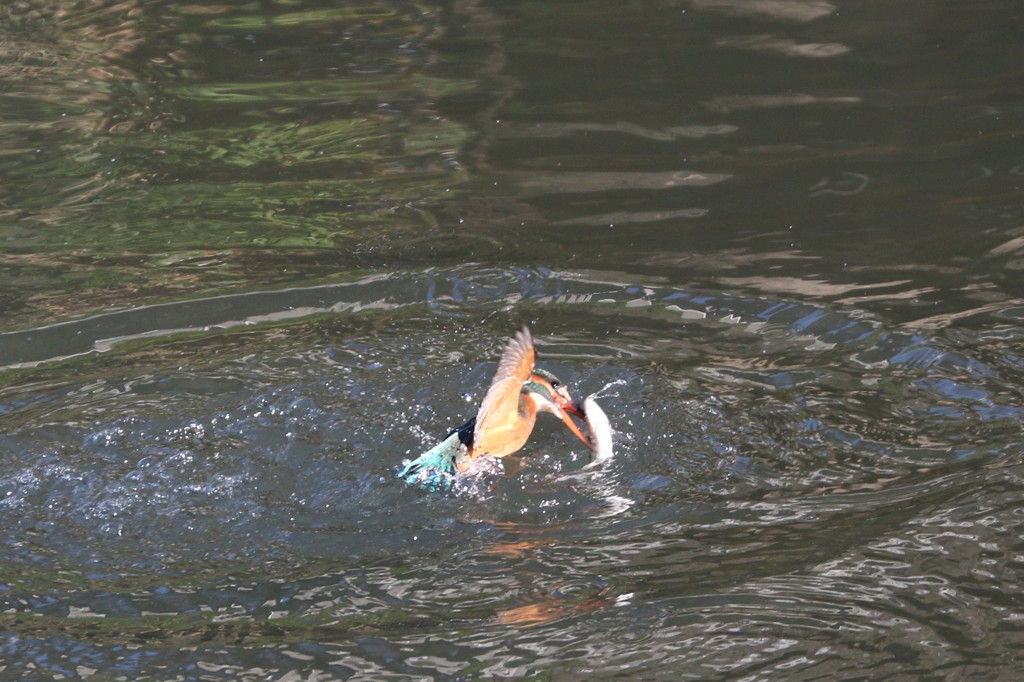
x,y
499,411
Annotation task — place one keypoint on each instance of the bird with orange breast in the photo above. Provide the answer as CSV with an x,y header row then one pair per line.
x,y
505,420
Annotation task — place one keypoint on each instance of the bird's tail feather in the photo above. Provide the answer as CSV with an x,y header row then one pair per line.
x,y
435,468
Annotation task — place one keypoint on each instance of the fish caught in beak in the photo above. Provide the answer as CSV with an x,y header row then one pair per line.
x,y
550,395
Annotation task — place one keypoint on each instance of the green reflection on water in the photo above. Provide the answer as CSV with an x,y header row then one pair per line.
x,y
135,137
401,86
363,14
237,182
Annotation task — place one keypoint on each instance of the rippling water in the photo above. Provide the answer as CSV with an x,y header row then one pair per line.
x,y
795,487
255,256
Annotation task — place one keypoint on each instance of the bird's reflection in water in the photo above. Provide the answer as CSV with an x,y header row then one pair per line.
x,y
539,602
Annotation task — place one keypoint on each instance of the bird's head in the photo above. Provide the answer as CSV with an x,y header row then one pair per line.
x,y
551,395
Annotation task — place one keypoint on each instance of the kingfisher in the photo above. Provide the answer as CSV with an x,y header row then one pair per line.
x,y
504,422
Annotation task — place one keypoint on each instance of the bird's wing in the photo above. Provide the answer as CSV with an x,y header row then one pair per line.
x,y
499,411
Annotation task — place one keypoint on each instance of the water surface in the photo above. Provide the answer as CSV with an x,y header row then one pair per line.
x,y
256,255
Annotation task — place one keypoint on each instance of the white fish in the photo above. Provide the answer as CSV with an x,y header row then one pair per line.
x,y
600,431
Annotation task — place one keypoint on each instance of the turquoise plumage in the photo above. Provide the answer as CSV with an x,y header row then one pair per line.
x,y
435,468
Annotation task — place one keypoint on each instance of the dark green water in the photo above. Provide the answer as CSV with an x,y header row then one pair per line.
x,y
253,255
